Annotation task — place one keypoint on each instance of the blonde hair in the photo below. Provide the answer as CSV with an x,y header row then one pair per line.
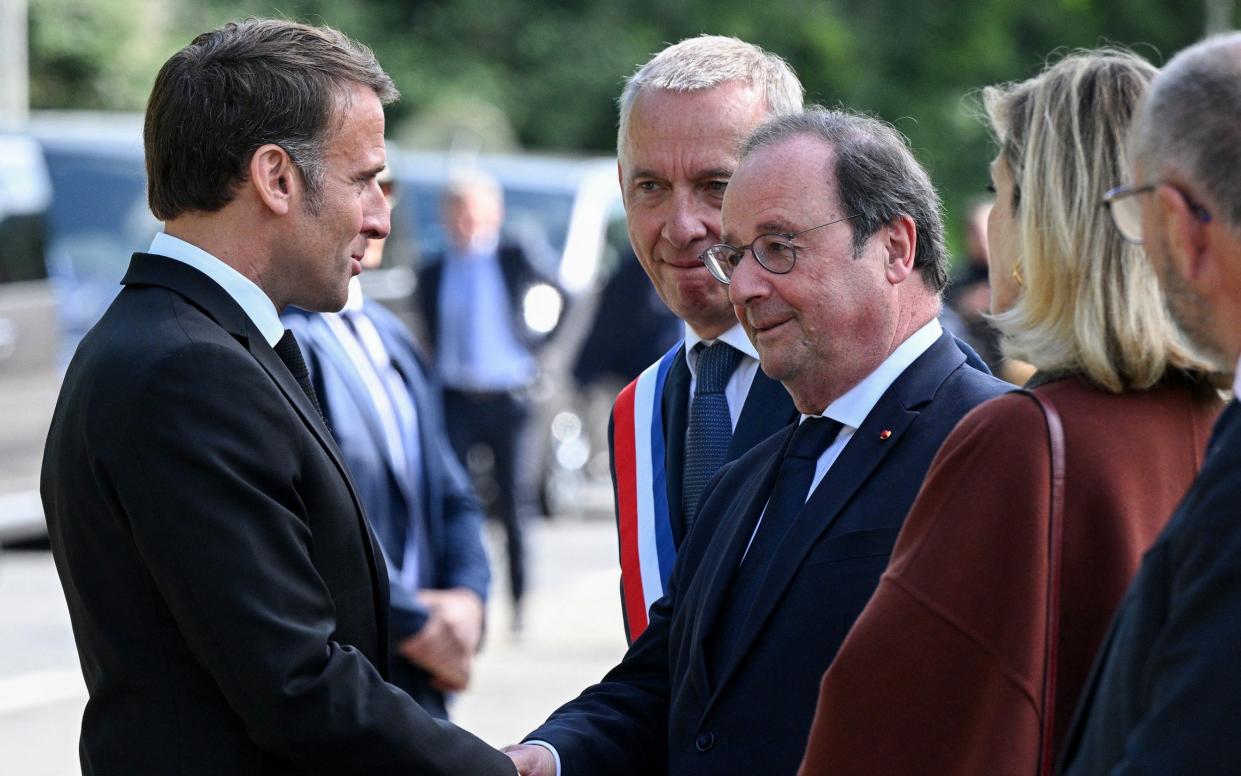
x,y
1089,301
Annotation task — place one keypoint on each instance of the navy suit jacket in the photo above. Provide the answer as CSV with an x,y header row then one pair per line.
x,y
228,600
1165,692
659,711
451,516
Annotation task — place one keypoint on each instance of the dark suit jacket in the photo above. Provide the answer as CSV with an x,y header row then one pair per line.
x,y
659,711
227,598
451,518
767,409
1163,696
520,275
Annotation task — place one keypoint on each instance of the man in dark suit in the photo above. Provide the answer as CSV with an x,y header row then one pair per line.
x,y
228,599
385,416
1163,695
837,282
683,117
487,308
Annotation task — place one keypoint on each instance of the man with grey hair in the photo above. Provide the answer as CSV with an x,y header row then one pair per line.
x,y
840,296
683,116
1163,697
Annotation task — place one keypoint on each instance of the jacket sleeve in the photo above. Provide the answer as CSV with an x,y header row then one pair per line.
x,y
213,501
1189,699
620,725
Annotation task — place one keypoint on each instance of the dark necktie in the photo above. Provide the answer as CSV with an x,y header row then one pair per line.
x,y
291,355
788,496
710,426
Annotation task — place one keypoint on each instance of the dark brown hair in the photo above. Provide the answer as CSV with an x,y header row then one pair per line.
x,y
242,86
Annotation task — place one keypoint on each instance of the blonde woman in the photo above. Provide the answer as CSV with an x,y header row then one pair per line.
x,y
944,671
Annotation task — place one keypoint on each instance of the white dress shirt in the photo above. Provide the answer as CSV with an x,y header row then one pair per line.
x,y
256,304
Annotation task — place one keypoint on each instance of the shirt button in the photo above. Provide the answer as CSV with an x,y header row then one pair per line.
x,y
705,741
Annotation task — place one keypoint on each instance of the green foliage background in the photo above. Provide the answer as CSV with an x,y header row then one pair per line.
x,y
554,67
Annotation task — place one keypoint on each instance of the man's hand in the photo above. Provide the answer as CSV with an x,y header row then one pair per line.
x,y
531,760
461,610
446,645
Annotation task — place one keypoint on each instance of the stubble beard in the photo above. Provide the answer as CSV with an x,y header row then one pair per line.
x,y
1191,313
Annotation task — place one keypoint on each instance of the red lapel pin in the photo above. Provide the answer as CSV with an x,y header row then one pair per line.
x,y
883,435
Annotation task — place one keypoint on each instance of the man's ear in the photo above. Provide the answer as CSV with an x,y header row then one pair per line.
x,y
275,178
1186,233
900,246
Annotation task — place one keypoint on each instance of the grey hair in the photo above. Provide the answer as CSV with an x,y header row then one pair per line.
x,y
877,178
1191,122
706,61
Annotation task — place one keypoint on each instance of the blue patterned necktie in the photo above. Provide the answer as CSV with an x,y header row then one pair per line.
x,y
710,424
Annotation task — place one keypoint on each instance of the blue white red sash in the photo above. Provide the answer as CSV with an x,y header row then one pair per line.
x,y
646,547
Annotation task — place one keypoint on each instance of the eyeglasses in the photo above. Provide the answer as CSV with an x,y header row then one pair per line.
x,y
775,253
1126,211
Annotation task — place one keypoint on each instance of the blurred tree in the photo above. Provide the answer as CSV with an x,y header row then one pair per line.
x,y
554,68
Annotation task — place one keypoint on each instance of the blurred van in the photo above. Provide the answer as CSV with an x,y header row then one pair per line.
x,y
28,335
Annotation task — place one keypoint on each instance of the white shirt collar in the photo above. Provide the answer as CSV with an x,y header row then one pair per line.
x,y
354,303
852,408
256,304
734,336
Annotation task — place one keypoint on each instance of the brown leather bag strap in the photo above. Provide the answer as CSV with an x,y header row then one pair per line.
x,y
1055,539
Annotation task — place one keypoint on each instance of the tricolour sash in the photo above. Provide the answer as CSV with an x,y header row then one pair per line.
x,y
643,523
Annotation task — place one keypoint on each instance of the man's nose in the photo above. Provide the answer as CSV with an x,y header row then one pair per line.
x,y
748,282
377,217
689,220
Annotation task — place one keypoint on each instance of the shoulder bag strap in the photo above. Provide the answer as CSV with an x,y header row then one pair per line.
x,y
1055,534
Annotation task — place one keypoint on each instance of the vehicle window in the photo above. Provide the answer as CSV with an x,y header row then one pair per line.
x,y
24,195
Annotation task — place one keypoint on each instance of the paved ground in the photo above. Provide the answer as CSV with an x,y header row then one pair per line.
x,y
573,634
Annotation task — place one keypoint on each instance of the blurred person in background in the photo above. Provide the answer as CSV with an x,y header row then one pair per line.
x,y
1163,697
969,292
683,117
228,599
480,300
384,413
944,671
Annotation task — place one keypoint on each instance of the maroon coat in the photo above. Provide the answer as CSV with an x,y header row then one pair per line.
x,y
943,671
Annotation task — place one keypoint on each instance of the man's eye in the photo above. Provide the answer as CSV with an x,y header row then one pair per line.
x,y
774,247
647,186
717,187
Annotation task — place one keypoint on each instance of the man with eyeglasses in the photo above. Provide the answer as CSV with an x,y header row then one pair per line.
x,y
832,251
1163,697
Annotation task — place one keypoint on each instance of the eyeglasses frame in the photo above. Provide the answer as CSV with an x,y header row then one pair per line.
x,y
741,251
1128,190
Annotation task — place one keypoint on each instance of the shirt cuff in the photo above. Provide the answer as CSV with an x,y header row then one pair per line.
x,y
550,748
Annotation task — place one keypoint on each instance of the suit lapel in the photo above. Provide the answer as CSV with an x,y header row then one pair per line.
x,y
205,294
895,411
674,405
348,372
711,582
